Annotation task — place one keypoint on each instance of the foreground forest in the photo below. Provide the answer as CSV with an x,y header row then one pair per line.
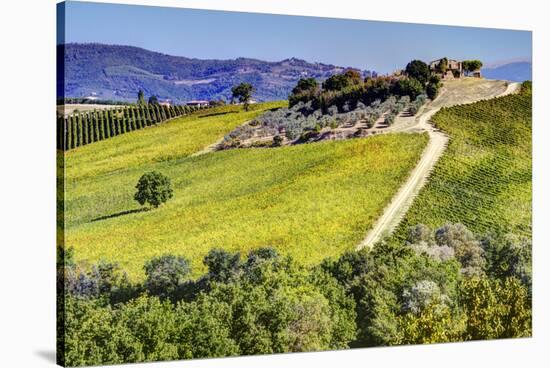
x,y
437,286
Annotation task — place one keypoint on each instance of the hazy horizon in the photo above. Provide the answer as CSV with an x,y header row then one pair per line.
x,y
367,45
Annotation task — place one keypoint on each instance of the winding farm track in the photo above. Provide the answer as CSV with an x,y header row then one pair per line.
x,y
453,93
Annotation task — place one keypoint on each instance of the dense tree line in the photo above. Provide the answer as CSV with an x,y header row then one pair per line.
x,y
350,89
438,286
82,128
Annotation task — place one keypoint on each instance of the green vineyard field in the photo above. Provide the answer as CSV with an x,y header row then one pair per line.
x,y
484,178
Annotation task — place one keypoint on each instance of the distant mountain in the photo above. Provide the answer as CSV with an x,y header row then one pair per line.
x,y
515,72
119,72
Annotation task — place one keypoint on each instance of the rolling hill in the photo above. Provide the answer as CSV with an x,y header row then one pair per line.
x,y
118,72
515,72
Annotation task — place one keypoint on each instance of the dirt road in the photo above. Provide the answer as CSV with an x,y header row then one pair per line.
x,y
453,93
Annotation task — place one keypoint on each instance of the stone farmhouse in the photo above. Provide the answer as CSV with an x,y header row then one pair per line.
x,y
447,68
451,69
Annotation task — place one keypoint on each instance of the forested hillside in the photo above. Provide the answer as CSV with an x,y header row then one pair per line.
x,y
118,72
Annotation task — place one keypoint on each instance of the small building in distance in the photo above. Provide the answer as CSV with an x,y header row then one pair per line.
x,y
199,103
476,74
447,68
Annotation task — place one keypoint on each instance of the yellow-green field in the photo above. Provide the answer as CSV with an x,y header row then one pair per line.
x,y
311,200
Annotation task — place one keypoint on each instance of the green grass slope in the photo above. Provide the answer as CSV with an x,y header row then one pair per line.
x,y
483,180
311,201
174,139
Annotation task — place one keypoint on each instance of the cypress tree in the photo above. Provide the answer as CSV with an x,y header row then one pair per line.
x,y
165,113
133,109
124,120
92,126
80,131
65,133
87,117
113,123
58,132
120,117
127,118
151,116
160,113
70,133
158,116
139,119
93,117
118,122
101,124
84,131
145,116
156,112
131,118
89,129
107,115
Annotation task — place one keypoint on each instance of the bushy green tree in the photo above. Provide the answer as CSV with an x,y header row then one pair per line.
x,y
243,92
471,65
306,85
495,309
146,329
336,82
432,90
443,65
153,188
508,256
222,266
418,70
408,87
165,274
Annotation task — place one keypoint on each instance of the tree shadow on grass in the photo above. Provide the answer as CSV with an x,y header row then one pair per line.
x,y
118,214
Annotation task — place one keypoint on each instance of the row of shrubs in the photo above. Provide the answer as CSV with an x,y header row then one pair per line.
x,y
83,128
438,286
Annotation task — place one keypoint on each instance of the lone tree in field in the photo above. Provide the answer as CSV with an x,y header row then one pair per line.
x,y
141,98
243,92
418,70
153,188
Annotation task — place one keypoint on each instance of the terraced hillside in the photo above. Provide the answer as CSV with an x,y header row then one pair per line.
x,y
484,178
311,201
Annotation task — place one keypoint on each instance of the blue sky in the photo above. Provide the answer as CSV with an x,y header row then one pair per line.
x,y
205,34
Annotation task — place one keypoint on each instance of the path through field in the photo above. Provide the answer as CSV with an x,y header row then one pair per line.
x,y
453,93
